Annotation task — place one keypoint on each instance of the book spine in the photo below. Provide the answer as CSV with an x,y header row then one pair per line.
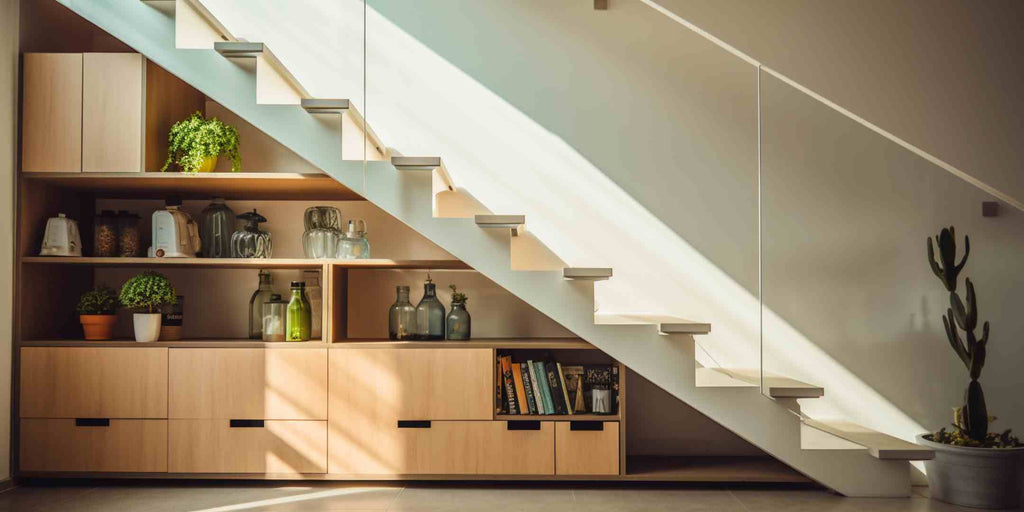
x,y
500,406
535,386
556,389
528,387
545,391
615,387
565,392
510,387
517,377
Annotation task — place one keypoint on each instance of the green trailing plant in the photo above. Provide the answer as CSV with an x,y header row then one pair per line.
x,y
194,139
458,296
971,419
148,292
102,300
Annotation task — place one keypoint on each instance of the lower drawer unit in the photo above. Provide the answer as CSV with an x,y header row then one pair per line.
x,y
587,448
100,445
247,446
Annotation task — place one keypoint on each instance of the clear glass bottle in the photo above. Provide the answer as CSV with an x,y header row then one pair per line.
x,y
105,234
250,242
216,226
402,316
429,314
259,297
316,304
458,322
299,315
354,245
275,317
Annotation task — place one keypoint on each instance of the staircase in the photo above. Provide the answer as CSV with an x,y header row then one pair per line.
x,y
419,192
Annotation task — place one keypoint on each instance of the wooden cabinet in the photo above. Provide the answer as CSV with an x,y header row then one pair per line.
x,y
587,448
87,382
248,383
51,115
91,445
247,446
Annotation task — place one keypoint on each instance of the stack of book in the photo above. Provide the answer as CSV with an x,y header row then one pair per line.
x,y
548,387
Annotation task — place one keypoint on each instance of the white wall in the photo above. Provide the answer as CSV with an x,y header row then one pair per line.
x,y
8,134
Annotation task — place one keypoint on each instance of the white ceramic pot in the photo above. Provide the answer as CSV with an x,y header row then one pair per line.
x,y
975,477
147,327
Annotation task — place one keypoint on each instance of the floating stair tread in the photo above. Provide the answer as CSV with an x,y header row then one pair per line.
x,y
666,324
879,445
421,163
777,386
325,105
251,50
500,221
587,273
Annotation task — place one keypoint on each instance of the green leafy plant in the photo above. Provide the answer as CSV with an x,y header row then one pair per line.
x,y
148,291
971,419
102,300
193,139
458,296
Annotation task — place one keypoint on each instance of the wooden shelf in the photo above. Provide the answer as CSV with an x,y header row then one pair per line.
x,y
557,417
238,185
297,263
493,343
710,469
191,343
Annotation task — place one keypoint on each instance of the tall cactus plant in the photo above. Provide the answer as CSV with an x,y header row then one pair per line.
x,y
972,418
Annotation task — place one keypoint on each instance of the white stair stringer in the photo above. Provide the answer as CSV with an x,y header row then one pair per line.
x,y
667,360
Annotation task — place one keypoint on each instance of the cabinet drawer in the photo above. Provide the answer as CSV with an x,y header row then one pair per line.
x,y
443,448
86,382
587,448
93,445
416,384
247,446
255,383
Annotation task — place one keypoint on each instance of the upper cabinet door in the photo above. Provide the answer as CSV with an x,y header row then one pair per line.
x,y
113,97
51,122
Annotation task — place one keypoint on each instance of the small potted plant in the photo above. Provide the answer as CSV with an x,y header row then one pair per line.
x,y
972,466
458,321
96,310
146,293
195,143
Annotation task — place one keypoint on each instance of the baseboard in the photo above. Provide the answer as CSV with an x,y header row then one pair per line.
x,y
7,484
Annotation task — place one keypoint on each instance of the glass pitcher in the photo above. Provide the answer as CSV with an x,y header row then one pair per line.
x,y
216,226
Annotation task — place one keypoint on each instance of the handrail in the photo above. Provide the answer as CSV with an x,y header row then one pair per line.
x,y
950,168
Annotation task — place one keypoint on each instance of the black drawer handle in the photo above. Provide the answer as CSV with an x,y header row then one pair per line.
x,y
246,423
586,426
523,425
413,424
92,422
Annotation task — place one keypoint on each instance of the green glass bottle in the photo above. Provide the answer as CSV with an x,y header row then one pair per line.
x,y
300,315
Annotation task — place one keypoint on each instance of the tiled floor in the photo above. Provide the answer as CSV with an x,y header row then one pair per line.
x,y
207,497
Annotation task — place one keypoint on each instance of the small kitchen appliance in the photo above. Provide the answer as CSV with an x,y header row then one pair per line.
x,y
175,234
61,237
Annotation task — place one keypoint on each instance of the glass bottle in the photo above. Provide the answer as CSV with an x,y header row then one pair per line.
x,y
250,242
259,297
129,240
299,317
458,321
314,293
105,234
402,316
354,244
429,314
216,225
274,318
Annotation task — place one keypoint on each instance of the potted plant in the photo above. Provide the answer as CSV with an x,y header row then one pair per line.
x,y
96,310
146,293
972,467
195,143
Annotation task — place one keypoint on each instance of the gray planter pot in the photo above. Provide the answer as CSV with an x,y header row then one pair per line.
x,y
975,477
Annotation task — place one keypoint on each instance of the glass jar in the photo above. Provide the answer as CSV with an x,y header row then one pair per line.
x,y
458,322
321,243
129,238
263,293
299,315
216,225
402,316
274,318
314,293
354,245
105,234
322,217
429,314
250,242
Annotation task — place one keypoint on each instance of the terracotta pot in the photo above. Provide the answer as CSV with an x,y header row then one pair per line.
x,y
147,327
209,163
98,327
975,477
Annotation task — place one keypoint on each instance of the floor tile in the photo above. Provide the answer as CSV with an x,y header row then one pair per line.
x,y
40,498
482,498
680,500
820,501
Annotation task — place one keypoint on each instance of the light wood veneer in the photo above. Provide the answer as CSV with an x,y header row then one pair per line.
x,y
124,445
213,446
582,452
51,117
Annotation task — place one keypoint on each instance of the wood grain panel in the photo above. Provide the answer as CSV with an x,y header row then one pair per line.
x,y
213,446
123,446
250,383
51,119
579,452
168,100
83,382
112,117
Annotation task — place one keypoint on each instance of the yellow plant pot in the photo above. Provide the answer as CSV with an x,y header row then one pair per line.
x,y
209,163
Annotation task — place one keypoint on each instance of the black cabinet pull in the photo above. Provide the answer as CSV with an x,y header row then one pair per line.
x,y
413,424
523,425
92,422
586,426
246,423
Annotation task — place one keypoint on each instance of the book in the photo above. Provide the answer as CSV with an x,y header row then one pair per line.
x,y
565,394
500,405
603,380
535,386
551,369
531,402
573,376
510,386
517,377
545,391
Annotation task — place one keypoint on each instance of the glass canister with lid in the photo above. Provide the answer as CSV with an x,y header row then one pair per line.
x,y
105,234
354,245
274,318
129,238
250,242
323,232
216,227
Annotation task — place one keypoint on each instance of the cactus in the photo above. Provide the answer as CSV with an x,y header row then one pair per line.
x,y
972,418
